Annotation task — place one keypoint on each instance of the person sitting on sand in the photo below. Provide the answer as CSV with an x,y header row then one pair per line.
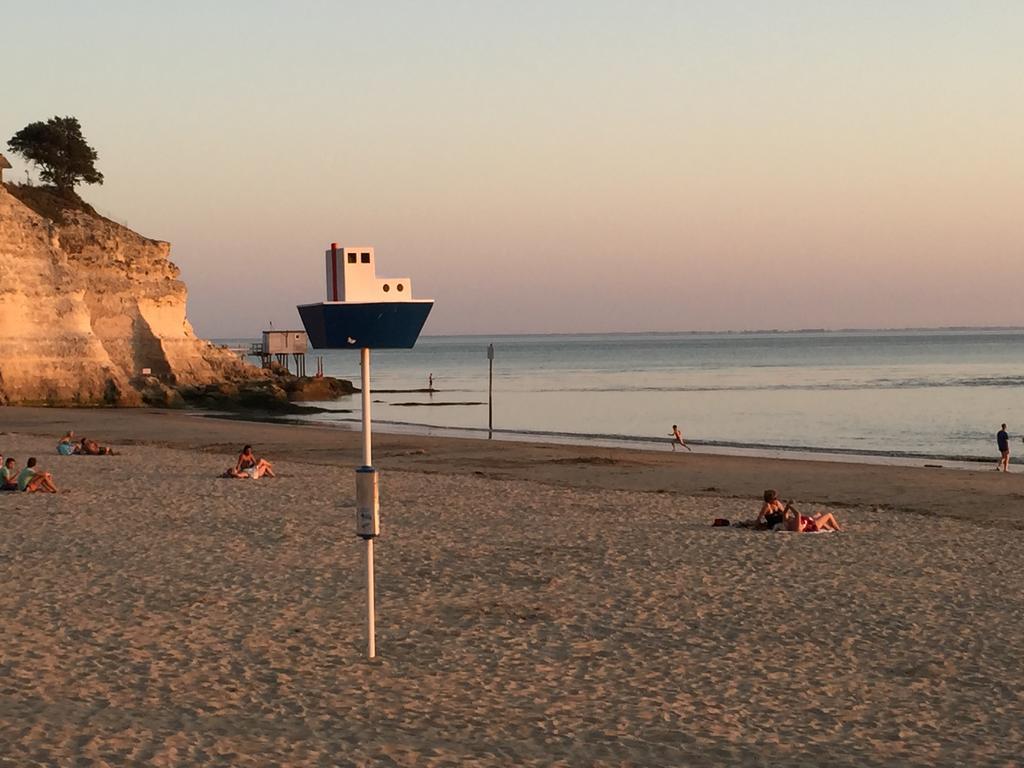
x,y
248,465
67,445
92,448
31,480
797,523
773,511
9,475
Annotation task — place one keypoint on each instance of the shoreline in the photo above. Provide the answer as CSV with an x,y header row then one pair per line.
x,y
981,497
629,442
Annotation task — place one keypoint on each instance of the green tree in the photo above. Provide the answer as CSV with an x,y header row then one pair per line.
x,y
59,150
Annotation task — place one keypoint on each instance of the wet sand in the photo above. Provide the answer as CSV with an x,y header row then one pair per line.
x,y
537,605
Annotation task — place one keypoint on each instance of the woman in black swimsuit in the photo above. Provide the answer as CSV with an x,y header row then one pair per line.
x,y
773,511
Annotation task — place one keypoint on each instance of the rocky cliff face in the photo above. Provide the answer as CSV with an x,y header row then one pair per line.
x,y
86,304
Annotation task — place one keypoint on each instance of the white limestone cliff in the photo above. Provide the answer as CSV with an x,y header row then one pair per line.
x,y
86,304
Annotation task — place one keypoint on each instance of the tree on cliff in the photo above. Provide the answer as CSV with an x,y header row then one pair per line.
x,y
59,149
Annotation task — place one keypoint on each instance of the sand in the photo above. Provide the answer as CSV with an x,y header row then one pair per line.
x,y
983,496
153,614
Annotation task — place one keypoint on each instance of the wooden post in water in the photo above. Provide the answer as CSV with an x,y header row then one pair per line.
x,y
490,391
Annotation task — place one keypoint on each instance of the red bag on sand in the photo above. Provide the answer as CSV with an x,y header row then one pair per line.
x,y
720,522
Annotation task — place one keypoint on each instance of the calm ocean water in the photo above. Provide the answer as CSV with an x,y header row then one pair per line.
x,y
932,393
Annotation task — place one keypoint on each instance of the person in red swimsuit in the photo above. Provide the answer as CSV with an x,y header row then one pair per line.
x,y
798,523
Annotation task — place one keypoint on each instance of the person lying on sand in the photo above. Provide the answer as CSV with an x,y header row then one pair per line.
x,y
67,444
248,465
31,480
9,476
798,523
92,448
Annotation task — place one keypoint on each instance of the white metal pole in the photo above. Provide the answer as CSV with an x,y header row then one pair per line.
x,y
364,364
371,619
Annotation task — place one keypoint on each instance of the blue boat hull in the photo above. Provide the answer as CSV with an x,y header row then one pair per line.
x,y
378,325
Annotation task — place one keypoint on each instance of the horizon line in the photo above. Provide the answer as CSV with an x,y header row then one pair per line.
x,y
748,331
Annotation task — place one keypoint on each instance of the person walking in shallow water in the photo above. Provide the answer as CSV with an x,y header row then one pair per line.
x,y
1003,441
677,438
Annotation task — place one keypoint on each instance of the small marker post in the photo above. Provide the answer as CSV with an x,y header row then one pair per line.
x,y
490,391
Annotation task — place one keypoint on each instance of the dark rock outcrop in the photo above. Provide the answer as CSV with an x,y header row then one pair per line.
x,y
272,394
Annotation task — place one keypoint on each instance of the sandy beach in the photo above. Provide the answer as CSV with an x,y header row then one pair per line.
x,y
537,605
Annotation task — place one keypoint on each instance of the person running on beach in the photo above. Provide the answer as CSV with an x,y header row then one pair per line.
x,y
677,438
1003,441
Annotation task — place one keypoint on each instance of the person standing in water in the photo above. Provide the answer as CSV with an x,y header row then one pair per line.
x,y
1003,441
678,438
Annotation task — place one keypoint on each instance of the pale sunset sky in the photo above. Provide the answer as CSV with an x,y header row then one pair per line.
x,y
555,166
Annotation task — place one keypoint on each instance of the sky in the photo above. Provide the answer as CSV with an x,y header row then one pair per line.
x,y
544,167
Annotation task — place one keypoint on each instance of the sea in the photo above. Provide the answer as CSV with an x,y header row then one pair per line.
x,y
875,396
